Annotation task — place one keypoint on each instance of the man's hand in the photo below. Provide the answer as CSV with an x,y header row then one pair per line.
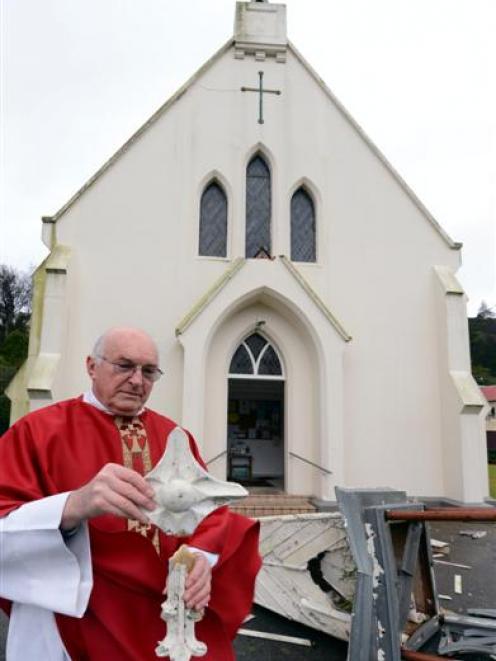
x,y
114,490
198,584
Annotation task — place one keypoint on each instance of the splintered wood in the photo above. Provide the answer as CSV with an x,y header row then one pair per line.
x,y
308,574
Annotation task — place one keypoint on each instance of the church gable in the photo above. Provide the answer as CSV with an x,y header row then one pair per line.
x,y
291,100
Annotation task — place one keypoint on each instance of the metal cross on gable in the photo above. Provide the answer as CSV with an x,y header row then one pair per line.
x,y
261,90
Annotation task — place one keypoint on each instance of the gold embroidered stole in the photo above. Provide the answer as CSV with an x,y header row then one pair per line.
x,y
136,455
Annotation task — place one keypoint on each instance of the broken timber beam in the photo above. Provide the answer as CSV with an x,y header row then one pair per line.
x,y
444,514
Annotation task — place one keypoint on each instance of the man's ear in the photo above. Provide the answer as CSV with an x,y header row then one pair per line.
x,y
90,366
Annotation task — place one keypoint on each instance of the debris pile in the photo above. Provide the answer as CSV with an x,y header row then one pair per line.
x,y
396,610
308,573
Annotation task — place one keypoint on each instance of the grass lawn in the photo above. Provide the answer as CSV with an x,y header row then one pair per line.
x,y
492,480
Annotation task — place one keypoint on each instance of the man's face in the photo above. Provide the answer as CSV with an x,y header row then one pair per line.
x,y
123,394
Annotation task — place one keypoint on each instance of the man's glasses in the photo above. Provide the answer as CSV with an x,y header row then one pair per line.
x,y
127,368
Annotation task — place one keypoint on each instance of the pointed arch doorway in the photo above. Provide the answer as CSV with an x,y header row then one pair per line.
x,y
255,414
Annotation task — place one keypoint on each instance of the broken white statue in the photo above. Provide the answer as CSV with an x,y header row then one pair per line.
x,y
180,643
185,494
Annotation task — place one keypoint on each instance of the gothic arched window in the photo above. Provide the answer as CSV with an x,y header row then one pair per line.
x,y
303,232
213,221
254,357
258,207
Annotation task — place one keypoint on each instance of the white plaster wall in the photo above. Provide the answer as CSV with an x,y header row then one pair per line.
x,y
134,241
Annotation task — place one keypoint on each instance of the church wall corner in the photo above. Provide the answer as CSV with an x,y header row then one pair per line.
x,y
462,431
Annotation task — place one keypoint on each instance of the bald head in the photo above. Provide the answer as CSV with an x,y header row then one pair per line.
x,y
123,391
122,335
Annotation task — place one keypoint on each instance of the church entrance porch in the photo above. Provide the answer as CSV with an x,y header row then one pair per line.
x,y
280,436
255,432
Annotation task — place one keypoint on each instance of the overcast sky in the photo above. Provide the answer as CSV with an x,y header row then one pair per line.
x,y
79,76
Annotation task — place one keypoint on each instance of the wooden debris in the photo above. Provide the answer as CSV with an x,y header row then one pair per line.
x,y
475,534
292,581
452,564
439,546
458,584
275,636
339,570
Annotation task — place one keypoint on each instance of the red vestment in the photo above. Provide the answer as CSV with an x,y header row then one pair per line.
x,y
62,447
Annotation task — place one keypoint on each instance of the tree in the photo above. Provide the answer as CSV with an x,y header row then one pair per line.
x,y
483,345
15,314
485,312
14,348
15,301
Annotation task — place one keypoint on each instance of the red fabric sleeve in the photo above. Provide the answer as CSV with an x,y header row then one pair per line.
x,y
233,578
21,476
210,534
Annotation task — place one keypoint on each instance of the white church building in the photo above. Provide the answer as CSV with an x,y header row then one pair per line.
x,y
311,327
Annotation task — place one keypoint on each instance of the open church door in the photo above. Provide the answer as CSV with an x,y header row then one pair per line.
x,y
255,415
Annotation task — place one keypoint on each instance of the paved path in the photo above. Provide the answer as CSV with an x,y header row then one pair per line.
x,y
324,648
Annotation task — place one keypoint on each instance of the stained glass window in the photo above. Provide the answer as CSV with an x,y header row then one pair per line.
x,y
256,343
269,363
303,235
257,357
258,207
213,221
241,362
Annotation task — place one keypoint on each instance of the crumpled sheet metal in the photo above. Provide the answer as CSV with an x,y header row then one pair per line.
x,y
385,580
365,633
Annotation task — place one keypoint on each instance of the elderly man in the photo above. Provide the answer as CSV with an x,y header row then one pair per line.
x,y
82,568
